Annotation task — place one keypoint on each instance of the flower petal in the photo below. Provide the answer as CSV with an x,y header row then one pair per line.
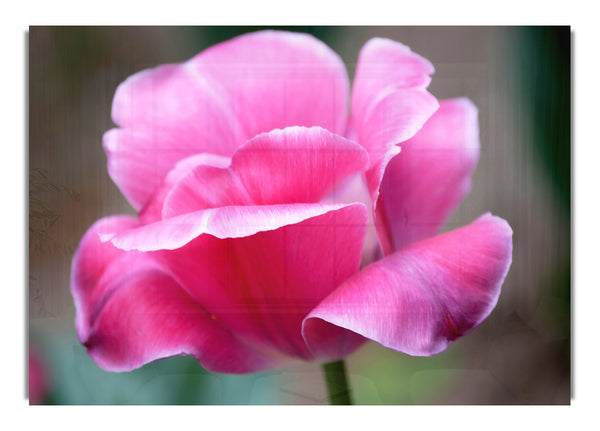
x,y
386,63
422,297
140,314
262,286
275,79
293,165
429,178
389,100
153,210
138,163
223,222
130,311
167,114
90,261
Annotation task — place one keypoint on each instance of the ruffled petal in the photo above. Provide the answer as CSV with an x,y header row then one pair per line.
x,y
262,286
293,165
422,297
429,178
153,210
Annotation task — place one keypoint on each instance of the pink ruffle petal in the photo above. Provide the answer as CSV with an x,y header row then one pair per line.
x,y
422,297
429,178
138,163
153,210
262,286
293,165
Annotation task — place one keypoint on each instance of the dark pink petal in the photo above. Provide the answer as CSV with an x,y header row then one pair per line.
x,y
140,314
276,79
423,297
262,286
293,165
428,179
130,311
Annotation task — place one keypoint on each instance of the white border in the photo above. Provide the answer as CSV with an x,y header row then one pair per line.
x,y
580,15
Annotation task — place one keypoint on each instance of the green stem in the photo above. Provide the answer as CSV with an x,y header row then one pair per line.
x,y
337,383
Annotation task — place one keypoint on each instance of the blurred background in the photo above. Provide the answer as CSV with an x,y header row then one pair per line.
x,y
519,77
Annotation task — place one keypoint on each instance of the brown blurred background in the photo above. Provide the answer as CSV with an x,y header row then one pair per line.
x,y
520,80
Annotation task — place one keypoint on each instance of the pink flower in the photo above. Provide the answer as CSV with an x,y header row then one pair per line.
x,y
243,167
38,379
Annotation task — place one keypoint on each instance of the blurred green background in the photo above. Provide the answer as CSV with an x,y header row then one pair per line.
x,y
519,77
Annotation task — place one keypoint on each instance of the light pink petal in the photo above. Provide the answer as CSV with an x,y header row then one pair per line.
x,y
387,63
262,286
429,178
423,297
390,103
276,79
174,101
293,165
389,96
393,119
223,222
153,210
167,113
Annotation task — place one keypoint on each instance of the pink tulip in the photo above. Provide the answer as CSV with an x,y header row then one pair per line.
x,y
246,173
